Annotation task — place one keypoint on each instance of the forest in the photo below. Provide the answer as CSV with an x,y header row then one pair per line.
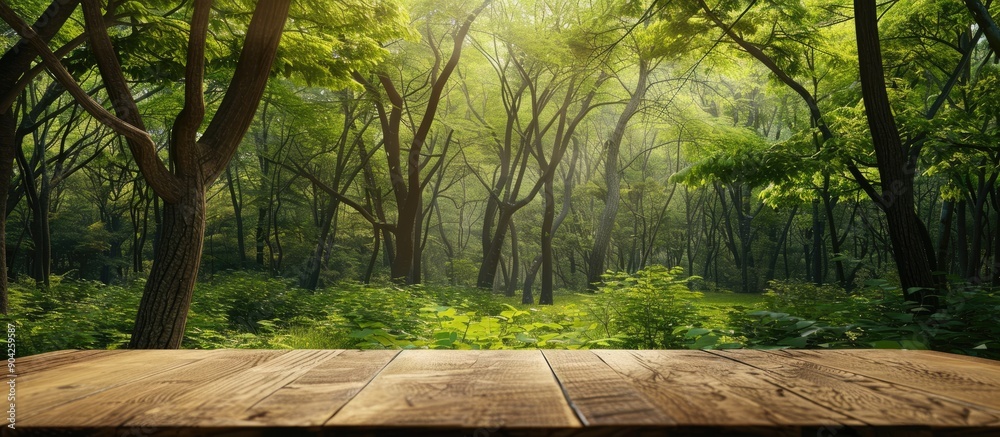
x,y
500,173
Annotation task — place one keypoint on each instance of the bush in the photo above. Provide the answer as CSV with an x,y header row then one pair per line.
x,y
966,324
646,308
241,300
830,303
71,315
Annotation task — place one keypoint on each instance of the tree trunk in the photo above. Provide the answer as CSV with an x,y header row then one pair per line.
x,y
241,246
310,277
167,296
403,260
817,244
612,180
491,258
548,216
944,234
8,128
911,244
772,265
962,238
515,262
260,235
527,297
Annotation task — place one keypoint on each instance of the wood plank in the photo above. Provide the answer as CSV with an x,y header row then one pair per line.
x,y
952,356
951,376
36,363
598,394
135,390
699,389
314,397
874,401
237,399
40,392
465,389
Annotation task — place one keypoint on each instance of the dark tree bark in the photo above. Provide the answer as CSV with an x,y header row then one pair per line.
x,y
165,302
911,246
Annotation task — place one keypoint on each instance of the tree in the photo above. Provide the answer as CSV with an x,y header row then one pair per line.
x,y
407,183
197,161
911,244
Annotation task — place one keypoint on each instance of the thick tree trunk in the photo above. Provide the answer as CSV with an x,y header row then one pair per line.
x,y
911,244
169,290
403,260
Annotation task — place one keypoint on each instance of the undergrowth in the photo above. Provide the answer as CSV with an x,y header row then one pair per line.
x,y
652,308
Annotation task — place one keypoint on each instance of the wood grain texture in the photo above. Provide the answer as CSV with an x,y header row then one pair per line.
x,y
874,401
227,399
133,392
828,393
599,395
41,393
316,395
972,381
36,363
698,388
467,389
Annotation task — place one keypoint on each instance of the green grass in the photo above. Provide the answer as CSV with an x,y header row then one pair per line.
x,y
732,299
713,306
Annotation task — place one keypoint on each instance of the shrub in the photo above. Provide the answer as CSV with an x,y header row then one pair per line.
x,y
646,307
830,303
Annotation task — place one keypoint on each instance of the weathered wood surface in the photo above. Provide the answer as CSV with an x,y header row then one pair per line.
x,y
601,392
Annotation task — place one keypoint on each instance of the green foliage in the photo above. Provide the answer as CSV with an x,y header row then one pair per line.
x,y
71,314
646,307
737,156
966,325
776,330
809,316
828,303
241,301
652,308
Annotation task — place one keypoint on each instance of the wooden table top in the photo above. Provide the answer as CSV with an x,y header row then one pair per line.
x,y
526,392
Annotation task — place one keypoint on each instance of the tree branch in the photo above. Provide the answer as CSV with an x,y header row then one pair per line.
x,y
239,106
186,124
